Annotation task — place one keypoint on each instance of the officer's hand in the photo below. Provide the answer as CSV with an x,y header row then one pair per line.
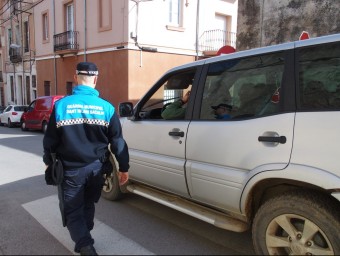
x,y
123,177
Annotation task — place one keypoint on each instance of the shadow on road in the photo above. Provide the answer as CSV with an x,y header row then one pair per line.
x,y
30,141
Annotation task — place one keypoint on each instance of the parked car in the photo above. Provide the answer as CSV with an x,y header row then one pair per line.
x,y
272,168
37,115
11,115
2,108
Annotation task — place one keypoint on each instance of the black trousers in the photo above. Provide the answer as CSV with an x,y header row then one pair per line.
x,y
81,189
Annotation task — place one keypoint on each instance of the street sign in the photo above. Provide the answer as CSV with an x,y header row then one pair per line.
x,y
304,35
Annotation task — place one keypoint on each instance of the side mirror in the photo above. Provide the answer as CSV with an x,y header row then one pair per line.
x,y
125,109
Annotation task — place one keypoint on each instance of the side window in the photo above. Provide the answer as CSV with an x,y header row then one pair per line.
x,y
166,102
31,106
319,77
243,88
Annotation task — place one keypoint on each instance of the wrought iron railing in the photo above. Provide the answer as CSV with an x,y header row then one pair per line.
x,y
15,55
213,40
66,41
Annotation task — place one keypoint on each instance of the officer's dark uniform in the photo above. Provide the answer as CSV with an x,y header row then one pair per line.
x,y
81,127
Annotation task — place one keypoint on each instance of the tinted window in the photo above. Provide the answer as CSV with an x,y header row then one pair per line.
x,y
31,106
250,86
319,76
163,103
19,108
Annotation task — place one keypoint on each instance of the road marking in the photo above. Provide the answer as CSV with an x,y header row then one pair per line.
x,y
6,136
107,240
14,168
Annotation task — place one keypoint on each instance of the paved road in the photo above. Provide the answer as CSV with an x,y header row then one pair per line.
x,y
30,223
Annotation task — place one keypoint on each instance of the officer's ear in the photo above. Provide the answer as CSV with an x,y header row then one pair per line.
x,y
95,80
75,77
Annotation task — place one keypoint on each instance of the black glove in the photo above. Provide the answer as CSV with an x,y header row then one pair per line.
x,y
48,175
107,168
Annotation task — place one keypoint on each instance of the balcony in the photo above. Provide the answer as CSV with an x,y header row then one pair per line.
x,y
15,55
66,43
212,40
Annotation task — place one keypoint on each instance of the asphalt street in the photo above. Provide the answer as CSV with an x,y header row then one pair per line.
x,y
30,222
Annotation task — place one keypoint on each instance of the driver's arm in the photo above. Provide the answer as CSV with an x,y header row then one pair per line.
x,y
174,111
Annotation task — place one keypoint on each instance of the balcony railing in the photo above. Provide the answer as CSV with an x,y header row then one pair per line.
x,y
213,40
66,42
15,55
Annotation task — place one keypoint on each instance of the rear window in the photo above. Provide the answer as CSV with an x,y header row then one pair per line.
x,y
19,108
319,77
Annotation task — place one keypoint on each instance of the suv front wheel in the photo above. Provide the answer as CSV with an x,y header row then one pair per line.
x,y
297,223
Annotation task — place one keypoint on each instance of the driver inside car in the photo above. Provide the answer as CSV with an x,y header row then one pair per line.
x,y
176,110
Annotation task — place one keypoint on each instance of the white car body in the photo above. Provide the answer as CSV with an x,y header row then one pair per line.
x,y
272,166
11,115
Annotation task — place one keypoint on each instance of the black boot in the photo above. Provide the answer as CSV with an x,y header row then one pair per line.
x,y
88,250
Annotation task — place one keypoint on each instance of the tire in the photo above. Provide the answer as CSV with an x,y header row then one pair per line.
x,y
44,126
23,126
9,123
111,189
299,223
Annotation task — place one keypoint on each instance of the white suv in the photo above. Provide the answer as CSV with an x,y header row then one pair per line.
x,y
272,166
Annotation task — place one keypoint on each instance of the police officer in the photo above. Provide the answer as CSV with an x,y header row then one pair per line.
x,y
82,128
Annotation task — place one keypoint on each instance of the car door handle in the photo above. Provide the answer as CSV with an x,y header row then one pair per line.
x,y
275,139
176,133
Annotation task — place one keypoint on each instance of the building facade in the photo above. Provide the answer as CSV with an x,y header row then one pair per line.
x,y
133,42
268,22
17,52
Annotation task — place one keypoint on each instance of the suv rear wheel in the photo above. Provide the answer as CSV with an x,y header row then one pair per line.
x,y
299,223
111,189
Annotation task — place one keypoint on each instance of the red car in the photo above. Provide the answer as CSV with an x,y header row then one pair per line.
x,y
37,115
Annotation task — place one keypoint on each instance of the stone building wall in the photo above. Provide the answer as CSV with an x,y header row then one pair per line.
x,y
270,22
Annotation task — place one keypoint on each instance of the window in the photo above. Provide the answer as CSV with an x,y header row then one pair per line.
x,y
14,6
47,88
28,89
69,22
319,76
45,24
175,10
165,102
69,17
26,37
105,15
13,98
34,81
17,35
34,87
250,86
9,40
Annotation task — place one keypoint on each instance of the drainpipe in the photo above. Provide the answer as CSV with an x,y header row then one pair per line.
x,y
23,80
85,30
14,82
55,60
197,27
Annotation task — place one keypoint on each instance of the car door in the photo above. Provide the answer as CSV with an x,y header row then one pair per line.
x,y
157,145
5,115
223,154
30,115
